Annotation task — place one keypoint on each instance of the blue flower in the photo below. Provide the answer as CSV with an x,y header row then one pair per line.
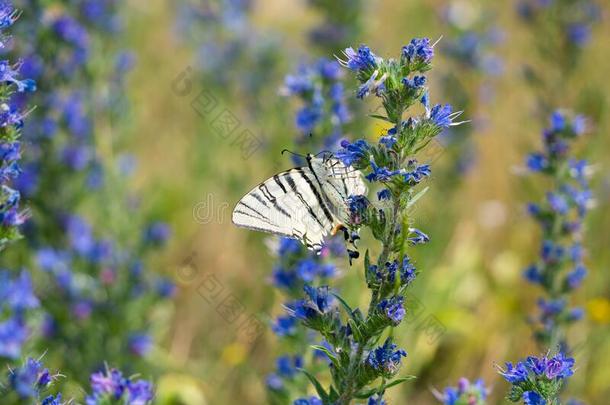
x,y
308,401
284,326
52,400
393,309
579,34
418,237
558,121
416,175
112,386
407,271
10,74
558,203
575,277
307,118
371,85
353,152
560,367
384,194
361,60
28,380
157,233
140,344
358,205
307,269
287,366
514,374
381,174
533,274
533,398
416,83
274,382
537,162
20,293
442,116
283,278
418,50
386,359
318,302
376,399
288,246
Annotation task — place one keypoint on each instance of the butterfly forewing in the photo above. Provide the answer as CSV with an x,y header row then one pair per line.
x,y
305,203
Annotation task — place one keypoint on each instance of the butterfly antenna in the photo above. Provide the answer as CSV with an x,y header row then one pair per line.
x,y
293,153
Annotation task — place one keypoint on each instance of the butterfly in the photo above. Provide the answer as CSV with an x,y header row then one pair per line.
x,y
305,203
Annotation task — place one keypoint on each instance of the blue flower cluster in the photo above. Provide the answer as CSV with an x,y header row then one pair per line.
x,y
385,360
112,387
356,360
12,114
93,271
560,268
319,86
17,300
30,382
295,272
465,393
538,380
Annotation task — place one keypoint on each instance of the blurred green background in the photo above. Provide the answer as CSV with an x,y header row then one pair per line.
x,y
481,238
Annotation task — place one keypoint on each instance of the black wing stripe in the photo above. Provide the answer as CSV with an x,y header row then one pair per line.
x,y
293,186
259,215
279,183
259,199
316,194
273,200
266,192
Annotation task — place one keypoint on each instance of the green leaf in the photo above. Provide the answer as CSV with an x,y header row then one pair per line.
x,y
346,306
365,394
417,196
399,381
330,354
381,117
317,385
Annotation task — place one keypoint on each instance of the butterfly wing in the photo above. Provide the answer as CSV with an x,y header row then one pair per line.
x,y
340,182
288,204
305,203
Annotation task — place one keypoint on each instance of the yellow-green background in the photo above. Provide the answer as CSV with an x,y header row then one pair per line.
x,y
471,270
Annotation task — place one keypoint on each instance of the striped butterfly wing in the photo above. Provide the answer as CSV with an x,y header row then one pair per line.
x,y
340,182
290,204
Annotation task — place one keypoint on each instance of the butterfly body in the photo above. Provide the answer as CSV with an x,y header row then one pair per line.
x,y
305,203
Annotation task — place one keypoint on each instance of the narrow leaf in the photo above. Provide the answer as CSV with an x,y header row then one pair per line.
x,y
380,117
399,381
317,385
416,197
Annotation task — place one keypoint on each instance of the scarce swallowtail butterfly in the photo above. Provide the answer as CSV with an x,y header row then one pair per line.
x,y
305,203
